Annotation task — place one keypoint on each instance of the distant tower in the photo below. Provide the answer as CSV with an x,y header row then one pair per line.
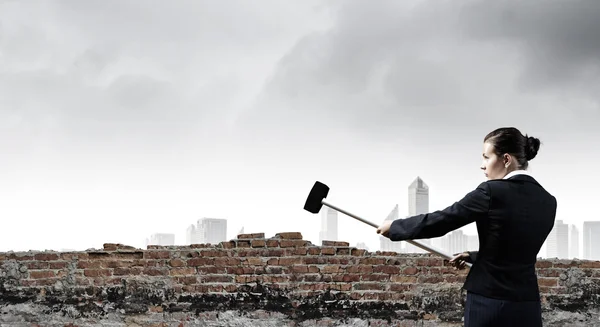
x,y
558,241
591,240
418,203
207,230
329,225
418,197
574,240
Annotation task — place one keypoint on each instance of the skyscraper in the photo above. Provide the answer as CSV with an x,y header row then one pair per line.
x,y
574,240
418,203
329,225
591,240
207,230
418,197
557,245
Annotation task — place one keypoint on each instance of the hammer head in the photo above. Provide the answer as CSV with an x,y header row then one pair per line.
x,y
318,192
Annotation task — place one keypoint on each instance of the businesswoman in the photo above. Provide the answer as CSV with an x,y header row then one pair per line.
x,y
514,214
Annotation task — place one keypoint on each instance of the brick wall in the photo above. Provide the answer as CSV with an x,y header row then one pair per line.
x,y
258,281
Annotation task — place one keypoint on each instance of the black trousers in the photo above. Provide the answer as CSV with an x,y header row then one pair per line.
x,y
481,311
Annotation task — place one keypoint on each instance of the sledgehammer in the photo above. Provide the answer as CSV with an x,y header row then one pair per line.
x,y
316,200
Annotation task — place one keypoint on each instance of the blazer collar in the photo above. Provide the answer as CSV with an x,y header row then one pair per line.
x,y
521,175
517,172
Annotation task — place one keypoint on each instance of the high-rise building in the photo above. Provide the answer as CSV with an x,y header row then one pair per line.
x,y
207,230
591,240
329,225
162,239
418,197
385,244
574,240
557,242
418,203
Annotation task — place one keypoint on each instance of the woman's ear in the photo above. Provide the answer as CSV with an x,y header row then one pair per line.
x,y
507,159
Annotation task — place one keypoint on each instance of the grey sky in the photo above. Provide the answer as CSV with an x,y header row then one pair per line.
x,y
125,118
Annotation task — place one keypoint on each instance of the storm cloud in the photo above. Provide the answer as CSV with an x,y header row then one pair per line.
x,y
442,66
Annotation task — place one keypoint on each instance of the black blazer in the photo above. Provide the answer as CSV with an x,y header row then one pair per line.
x,y
513,216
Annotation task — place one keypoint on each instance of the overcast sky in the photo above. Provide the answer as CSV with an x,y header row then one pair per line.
x,y
119,119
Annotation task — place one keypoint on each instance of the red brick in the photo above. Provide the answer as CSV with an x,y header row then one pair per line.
x,y
330,269
97,272
177,263
543,264
272,243
288,261
253,261
253,235
358,252
41,274
363,269
371,261
548,272
328,250
194,262
46,256
410,271
368,286
37,265
243,244
227,244
300,269
152,271
121,271
272,253
404,279
589,264
58,264
564,264
289,236
110,246
292,243
376,278
89,264
217,279
433,279
157,254
400,287
182,271
214,253
186,280
551,282
258,243
334,243
386,269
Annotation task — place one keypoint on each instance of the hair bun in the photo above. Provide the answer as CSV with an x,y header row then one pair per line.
x,y
532,145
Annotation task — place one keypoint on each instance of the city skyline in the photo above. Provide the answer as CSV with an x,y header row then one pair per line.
x,y
563,242
129,119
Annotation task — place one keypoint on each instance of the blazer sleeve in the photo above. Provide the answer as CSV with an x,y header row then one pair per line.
x,y
472,256
435,224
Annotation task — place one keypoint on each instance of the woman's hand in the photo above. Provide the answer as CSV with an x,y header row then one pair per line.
x,y
460,260
384,229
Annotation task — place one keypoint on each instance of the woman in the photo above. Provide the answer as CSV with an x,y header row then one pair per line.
x,y
514,215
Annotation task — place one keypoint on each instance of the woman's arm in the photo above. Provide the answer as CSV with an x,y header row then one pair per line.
x,y
435,224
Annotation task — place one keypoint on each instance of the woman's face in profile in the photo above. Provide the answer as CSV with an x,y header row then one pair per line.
x,y
492,165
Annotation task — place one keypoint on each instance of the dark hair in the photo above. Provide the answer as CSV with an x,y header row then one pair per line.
x,y
510,140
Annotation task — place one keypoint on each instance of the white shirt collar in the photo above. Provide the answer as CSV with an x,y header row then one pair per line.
x,y
517,172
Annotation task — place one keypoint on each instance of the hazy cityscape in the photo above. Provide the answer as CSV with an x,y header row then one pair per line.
x,y
564,242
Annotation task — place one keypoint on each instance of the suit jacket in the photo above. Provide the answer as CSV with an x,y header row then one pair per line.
x,y
513,216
